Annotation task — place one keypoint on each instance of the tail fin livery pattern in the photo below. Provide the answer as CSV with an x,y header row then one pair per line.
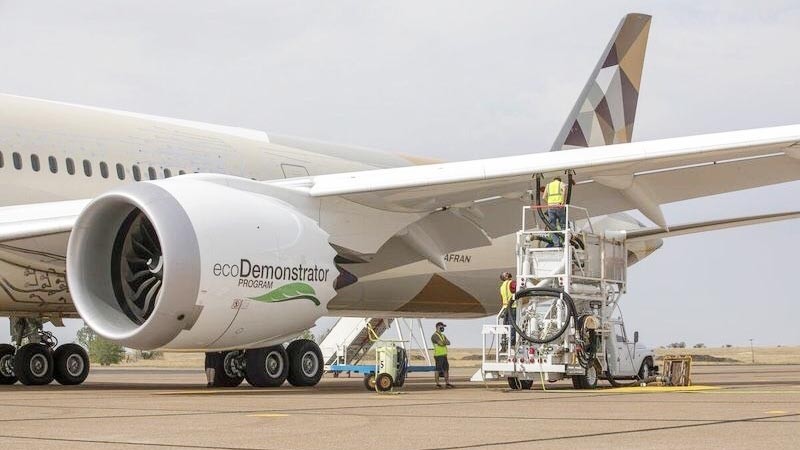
x,y
606,109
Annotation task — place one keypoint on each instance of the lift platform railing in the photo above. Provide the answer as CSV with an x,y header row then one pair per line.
x,y
588,258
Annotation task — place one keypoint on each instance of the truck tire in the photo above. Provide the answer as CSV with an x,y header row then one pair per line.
x,y
588,381
7,375
33,364
515,383
70,364
646,370
305,363
267,366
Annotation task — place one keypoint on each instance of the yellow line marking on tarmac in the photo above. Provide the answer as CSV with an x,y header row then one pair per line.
x,y
268,415
735,391
659,389
775,411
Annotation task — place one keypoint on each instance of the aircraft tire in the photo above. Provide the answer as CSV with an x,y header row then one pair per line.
x,y
33,364
305,363
70,364
267,366
222,377
7,375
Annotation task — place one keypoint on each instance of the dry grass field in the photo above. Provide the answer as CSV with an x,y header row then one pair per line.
x,y
470,357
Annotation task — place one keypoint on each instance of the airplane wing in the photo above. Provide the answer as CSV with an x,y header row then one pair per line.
x,y
38,219
641,175
710,225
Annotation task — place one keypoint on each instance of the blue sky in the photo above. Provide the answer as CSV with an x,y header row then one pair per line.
x,y
460,80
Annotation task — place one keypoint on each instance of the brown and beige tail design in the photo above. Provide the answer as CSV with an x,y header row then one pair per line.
x,y
606,109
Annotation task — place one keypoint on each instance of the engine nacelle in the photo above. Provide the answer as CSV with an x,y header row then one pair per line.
x,y
193,263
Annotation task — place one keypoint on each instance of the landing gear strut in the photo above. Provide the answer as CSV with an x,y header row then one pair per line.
x,y
300,362
40,360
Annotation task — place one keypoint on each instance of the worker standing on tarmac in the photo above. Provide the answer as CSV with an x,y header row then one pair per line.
x,y
440,343
553,196
507,290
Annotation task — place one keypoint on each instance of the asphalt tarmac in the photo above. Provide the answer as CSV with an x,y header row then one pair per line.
x,y
729,407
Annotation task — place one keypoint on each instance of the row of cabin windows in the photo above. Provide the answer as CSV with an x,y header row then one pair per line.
x,y
36,165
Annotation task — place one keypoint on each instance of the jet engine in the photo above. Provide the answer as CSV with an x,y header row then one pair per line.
x,y
197,262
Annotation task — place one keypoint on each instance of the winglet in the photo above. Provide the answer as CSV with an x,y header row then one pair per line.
x,y
606,109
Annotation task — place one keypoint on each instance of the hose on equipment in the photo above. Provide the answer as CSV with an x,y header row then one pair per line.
x,y
545,292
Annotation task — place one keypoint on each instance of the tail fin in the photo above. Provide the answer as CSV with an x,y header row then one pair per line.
x,y
606,109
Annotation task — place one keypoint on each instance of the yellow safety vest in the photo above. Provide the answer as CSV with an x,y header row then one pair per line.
x,y
505,292
440,350
554,195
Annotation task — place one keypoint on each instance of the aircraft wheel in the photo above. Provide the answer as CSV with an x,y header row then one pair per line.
x,y
267,366
7,364
71,364
33,364
227,366
305,363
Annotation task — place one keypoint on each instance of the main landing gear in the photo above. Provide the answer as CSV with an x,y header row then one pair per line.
x,y
300,363
40,360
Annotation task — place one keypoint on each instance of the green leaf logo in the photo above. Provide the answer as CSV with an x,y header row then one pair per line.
x,y
291,291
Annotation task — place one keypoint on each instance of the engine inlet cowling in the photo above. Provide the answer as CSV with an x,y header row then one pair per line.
x,y
198,262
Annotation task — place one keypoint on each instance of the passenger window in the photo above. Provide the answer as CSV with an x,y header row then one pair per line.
x,y
87,167
1,160
151,173
53,162
70,166
181,172
120,171
103,169
137,174
35,163
17,161
167,173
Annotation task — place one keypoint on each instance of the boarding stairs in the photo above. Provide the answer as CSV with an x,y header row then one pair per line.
x,y
351,338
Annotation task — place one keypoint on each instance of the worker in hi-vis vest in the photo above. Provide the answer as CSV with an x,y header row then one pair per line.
x,y
440,343
554,197
507,290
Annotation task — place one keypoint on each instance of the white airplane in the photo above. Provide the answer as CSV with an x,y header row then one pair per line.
x,y
164,233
